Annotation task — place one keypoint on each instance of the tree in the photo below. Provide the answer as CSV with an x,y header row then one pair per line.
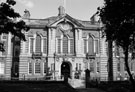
x,y
118,18
8,23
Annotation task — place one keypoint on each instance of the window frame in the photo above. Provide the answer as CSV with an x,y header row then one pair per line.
x,y
36,68
29,68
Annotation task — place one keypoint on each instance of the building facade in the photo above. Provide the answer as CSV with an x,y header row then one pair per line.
x,y
56,45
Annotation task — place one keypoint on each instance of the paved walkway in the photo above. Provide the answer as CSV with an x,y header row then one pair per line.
x,y
89,90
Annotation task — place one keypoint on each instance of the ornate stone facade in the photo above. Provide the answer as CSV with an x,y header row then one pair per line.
x,y
56,45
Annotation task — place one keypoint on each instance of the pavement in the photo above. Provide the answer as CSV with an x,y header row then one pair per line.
x,y
79,85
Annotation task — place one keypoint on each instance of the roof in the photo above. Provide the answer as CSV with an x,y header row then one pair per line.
x,y
51,20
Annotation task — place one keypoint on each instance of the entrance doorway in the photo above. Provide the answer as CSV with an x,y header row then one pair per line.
x,y
66,68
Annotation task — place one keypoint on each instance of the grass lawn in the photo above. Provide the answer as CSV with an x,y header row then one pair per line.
x,y
116,86
34,86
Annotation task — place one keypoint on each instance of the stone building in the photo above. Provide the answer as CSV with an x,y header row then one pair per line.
x,y
56,45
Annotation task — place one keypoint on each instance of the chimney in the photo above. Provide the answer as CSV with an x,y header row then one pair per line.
x,y
26,14
61,11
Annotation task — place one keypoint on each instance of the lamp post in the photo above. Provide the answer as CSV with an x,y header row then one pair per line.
x,y
54,64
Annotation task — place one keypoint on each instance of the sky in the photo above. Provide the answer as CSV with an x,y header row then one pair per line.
x,y
40,9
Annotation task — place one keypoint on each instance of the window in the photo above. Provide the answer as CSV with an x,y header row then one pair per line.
x,y
85,46
31,44
4,48
30,67
45,46
52,67
117,53
79,66
96,46
37,67
76,66
118,66
71,46
98,67
45,67
1,67
59,46
65,45
27,46
90,46
38,44
65,40
92,66
132,66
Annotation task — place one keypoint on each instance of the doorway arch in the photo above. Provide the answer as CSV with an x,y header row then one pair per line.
x,y
66,67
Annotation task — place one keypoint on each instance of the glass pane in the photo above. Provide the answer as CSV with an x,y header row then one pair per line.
x,y
37,67
65,45
30,67
38,44
31,45
59,46
72,46
45,46
85,46
90,46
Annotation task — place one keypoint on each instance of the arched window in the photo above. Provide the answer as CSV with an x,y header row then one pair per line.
x,y
38,44
89,45
65,37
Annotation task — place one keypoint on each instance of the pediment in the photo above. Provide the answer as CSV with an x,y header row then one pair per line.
x,y
67,18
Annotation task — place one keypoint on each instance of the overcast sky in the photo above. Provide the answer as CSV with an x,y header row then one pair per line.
x,y
79,9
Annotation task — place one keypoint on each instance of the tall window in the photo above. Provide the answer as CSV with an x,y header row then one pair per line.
x,y
98,67
52,67
45,46
76,66
117,53
38,44
92,66
80,67
118,66
65,38
96,46
45,67
37,67
85,46
132,66
30,67
59,46
90,46
31,44
72,46
65,45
